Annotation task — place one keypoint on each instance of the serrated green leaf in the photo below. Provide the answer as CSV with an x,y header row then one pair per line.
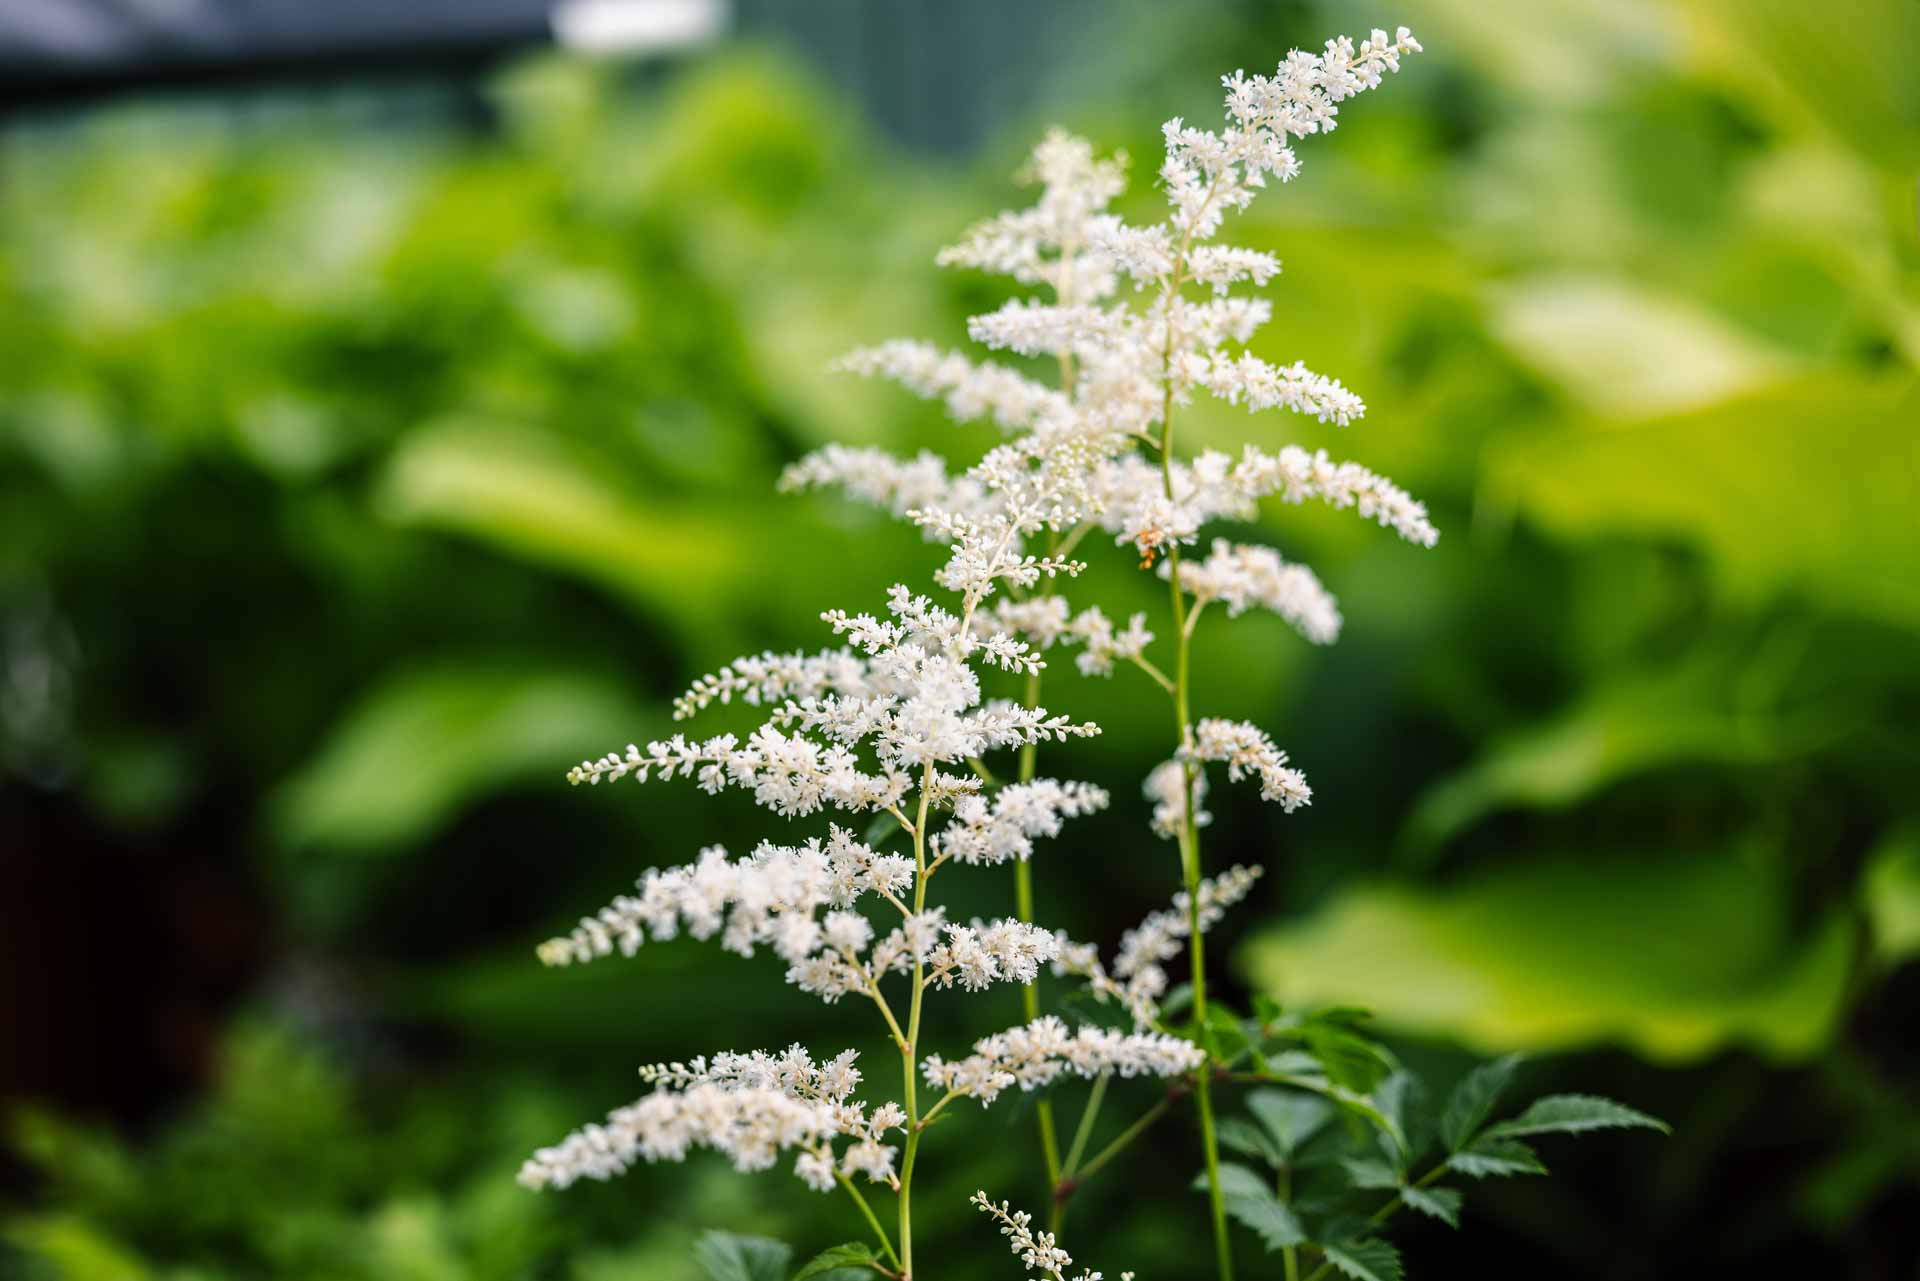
x,y
856,1255
1440,1203
1367,1172
1289,1117
1489,1158
1249,1139
1472,1101
1575,1114
729,1256
1273,1222
1236,1180
1369,1260
1398,1097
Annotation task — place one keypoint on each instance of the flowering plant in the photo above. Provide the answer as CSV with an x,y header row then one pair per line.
x,y
894,730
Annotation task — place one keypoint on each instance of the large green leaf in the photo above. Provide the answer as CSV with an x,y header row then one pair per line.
x,y
1891,894
540,500
1809,488
1631,723
1674,959
415,749
1625,351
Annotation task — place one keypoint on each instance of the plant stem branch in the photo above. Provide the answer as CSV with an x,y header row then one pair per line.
x,y
886,1245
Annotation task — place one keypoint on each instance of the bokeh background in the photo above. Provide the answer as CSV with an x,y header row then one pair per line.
x,y
385,426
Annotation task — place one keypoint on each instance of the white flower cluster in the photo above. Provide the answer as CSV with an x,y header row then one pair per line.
x,y
1005,828
1039,1053
910,696
772,898
747,1107
977,955
1246,749
1243,576
1168,787
1037,1251
1138,978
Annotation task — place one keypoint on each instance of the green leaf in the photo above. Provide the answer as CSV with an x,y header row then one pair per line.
x,y
1237,1180
1473,1100
1272,1221
413,750
1674,957
1440,1203
547,501
1290,1117
1890,892
1368,1260
853,1255
728,1256
1248,1139
1488,1158
1575,1114
1748,483
1368,1172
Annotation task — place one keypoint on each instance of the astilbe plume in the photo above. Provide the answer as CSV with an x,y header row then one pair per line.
x,y
897,719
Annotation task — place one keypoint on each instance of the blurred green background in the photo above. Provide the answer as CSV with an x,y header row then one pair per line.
x,y
359,472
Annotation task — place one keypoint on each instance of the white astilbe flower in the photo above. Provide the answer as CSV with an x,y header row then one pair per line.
x,y
1138,978
771,898
1296,476
748,1107
969,391
1042,621
893,484
1047,243
774,678
1242,576
1037,1251
994,831
977,955
1103,646
1246,379
1039,1053
1246,750
1166,787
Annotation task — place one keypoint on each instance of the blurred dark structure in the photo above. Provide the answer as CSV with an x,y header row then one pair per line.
x,y
938,76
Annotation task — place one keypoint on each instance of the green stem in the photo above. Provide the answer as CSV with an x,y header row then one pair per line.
x,y
886,1245
1023,908
1087,1117
1190,857
909,1053
1289,1255
1121,1140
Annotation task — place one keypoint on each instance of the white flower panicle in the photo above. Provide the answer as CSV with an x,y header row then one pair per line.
x,y
1243,576
1246,750
1037,1251
1048,243
748,1107
977,955
1138,978
1039,1053
1004,828
969,391
1103,645
1167,788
